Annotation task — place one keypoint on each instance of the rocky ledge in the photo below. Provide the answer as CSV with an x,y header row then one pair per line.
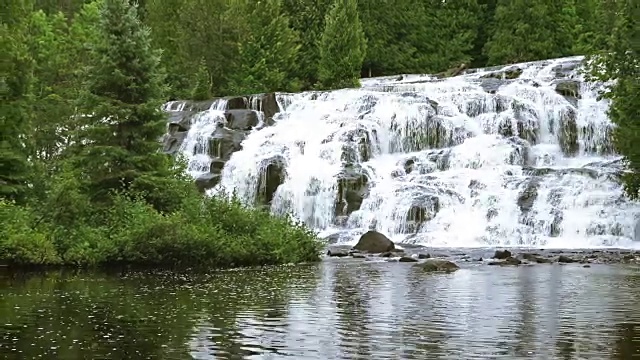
x,y
376,246
239,115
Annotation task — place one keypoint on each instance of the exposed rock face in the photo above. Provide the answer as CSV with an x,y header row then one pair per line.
x,y
352,189
240,115
273,175
374,242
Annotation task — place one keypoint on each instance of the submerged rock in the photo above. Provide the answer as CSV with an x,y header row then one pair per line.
x,y
437,265
374,242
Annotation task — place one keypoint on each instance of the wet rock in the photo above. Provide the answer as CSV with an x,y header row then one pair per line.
x,y
437,265
528,196
492,85
273,175
534,258
568,88
268,104
506,73
357,146
241,119
565,259
352,189
502,254
407,259
509,261
424,209
374,242
171,143
216,166
207,181
224,142
236,102
333,238
597,138
358,256
409,165
386,254
179,121
338,251
519,154
565,69
527,124
424,256
568,134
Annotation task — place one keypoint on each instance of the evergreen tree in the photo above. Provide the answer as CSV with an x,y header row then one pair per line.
x,y
307,19
342,47
268,50
16,79
118,145
485,29
530,30
202,88
620,62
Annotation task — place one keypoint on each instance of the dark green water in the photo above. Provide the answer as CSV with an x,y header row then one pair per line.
x,y
342,309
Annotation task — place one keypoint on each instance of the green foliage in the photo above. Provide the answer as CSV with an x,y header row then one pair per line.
x,y
342,47
619,64
16,81
20,242
202,88
210,232
123,96
268,49
531,30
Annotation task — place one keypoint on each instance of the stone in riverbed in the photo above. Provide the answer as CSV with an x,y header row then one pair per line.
x,y
374,242
437,265
507,261
502,254
338,251
407,259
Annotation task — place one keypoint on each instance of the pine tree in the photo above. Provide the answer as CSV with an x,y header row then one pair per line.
x,y
527,30
16,79
342,47
118,144
307,18
268,49
620,61
202,88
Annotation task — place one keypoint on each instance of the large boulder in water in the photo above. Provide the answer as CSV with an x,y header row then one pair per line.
x,y
374,242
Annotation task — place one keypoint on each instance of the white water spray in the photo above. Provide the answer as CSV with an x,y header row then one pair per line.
x,y
440,162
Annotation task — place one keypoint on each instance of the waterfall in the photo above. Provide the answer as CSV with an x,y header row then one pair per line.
x,y
509,156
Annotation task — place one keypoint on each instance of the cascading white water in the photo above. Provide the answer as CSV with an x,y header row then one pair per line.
x,y
442,162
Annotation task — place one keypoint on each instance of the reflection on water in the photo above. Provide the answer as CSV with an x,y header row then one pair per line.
x,y
333,310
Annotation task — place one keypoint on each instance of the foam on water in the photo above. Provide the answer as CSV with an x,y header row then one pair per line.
x,y
473,154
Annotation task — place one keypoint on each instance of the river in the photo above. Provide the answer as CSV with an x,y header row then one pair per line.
x,y
336,309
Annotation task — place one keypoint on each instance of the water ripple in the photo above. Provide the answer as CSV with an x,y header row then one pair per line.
x,y
333,310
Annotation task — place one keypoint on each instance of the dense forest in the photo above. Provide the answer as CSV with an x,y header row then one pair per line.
x,y
82,83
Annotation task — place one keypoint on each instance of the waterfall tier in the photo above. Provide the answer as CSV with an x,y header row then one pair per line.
x,y
510,156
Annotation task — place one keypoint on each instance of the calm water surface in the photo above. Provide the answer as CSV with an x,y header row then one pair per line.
x,y
338,309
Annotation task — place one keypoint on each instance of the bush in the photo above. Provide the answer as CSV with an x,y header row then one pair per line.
x,y
200,232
